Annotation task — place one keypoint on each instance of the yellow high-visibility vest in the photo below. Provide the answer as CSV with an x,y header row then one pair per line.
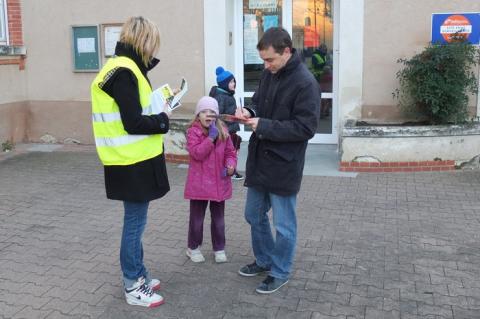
x,y
114,145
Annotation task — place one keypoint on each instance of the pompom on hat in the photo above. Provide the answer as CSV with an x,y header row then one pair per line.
x,y
223,77
206,103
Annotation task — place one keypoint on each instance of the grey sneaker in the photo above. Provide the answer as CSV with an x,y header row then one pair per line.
x,y
252,270
271,284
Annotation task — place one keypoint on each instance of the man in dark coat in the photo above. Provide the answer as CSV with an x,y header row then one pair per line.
x,y
283,118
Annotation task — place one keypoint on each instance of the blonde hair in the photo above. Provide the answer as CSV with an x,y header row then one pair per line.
x,y
143,35
221,126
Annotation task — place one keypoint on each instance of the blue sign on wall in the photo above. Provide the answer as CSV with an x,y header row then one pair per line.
x,y
453,27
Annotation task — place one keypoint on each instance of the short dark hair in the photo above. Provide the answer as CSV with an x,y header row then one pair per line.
x,y
278,38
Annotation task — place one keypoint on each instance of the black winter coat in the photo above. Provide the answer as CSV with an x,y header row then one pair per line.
x,y
146,180
287,104
226,105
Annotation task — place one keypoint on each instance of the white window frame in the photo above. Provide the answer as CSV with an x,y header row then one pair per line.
x,y
3,22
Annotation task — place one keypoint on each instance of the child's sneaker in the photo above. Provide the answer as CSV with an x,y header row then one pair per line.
x,y
140,294
220,256
195,255
154,284
237,177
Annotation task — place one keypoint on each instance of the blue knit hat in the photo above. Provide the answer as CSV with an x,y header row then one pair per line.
x,y
223,77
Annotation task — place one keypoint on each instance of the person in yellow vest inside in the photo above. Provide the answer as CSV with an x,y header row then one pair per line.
x,y
128,135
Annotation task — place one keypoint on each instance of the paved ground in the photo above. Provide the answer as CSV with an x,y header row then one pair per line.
x,y
374,246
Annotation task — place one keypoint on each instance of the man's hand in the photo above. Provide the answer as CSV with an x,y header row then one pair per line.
x,y
242,113
253,122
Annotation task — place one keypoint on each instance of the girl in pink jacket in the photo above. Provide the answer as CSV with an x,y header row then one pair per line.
x,y
212,161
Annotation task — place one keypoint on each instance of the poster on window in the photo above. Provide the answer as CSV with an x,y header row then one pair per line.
x,y
250,40
262,4
270,21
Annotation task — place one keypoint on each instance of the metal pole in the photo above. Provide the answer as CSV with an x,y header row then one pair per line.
x,y
324,15
478,92
315,18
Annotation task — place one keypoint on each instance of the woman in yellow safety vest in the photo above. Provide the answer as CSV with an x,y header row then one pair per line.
x,y
128,135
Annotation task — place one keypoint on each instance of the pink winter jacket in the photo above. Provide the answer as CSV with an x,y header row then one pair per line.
x,y
207,163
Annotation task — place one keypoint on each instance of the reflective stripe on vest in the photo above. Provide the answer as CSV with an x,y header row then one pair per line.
x,y
110,117
114,145
119,141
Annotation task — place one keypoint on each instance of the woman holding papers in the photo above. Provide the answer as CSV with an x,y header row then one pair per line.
x,y
128,134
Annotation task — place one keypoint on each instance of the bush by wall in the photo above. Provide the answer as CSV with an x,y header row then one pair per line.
x,y
435,84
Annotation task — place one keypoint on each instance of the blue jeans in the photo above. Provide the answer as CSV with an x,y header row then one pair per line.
x,y
131,249
276,253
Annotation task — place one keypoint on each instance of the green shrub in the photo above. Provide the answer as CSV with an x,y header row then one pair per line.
x,y
434,84
7,146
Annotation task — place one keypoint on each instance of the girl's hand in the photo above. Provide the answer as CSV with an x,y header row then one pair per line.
x,y
213,131
230,170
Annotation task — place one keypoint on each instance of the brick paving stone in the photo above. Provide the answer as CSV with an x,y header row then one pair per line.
x,y
30,313
352,311
322,307
8,311
360,290
328,286
23,298
443,311
59,305
288,314
373,313
305,294
59,315
461,313
84,309
318,315
391,304
375,246
376,302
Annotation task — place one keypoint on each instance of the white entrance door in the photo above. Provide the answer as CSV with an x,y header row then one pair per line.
x,y
311,24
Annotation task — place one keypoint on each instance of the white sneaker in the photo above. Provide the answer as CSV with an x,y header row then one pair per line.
x,y
195,255
220,257
154,284
140,294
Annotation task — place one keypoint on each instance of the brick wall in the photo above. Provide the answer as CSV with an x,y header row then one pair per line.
x,y
14,17
423,166
15,33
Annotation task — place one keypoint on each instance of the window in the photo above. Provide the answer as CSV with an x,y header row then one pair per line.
x,y
3,22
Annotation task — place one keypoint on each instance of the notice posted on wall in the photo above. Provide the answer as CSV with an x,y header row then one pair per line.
x,y
86,45
111,37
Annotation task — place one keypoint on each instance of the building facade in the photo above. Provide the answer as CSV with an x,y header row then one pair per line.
x,y
351,46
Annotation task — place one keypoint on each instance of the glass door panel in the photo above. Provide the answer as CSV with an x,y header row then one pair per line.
x,y
258,16
312,35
